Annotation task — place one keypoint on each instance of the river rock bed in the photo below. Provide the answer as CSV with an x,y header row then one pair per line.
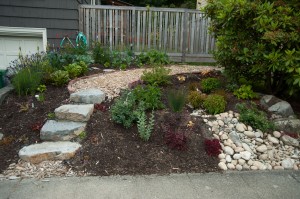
x,y
245,148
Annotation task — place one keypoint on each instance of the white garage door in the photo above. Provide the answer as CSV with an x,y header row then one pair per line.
x,y
12,39
10,48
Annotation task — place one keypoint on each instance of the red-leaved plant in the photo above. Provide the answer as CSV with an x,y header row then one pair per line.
x,y
176,140
100,107
37,126
212,147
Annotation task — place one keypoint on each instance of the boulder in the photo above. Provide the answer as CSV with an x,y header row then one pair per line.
x,y
89,96
37,153
289,141
287,124
276,106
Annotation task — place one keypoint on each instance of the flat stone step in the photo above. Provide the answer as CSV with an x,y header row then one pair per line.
x,y
89,96
37,153
61,130
76,113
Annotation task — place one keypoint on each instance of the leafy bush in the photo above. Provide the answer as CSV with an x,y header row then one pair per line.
x,y
27,80
196,99
212,147
145,128
74,70
123,111
258,40
150,95
153,57
210,84
253,117
158,75
59,78
245,92
101,55
214,104
176,100
176,140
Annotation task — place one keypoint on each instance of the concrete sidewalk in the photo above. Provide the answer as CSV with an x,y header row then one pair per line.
x,y
240,185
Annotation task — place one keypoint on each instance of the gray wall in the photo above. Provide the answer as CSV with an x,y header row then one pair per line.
x,y
60,17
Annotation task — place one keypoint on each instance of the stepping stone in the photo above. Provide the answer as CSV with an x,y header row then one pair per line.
x,y
76,113
61,130
37,153
89,96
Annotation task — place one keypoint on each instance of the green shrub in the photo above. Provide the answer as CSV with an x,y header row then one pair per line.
x,y
196,99
27,80
59,78
214,104
253,117
144,125
153,57
123,111
158,75
150,95
74,70
101,54
258,40
245,92
176,100
210,84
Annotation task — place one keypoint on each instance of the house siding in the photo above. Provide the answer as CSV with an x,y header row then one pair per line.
x,y
60,17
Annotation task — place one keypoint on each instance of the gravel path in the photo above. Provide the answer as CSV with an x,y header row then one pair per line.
x,y
112,83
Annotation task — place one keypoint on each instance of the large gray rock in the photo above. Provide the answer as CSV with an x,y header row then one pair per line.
x,y
235,138
289,140
276,105
89,96
287,124
77,113
37,153
4,92
61,130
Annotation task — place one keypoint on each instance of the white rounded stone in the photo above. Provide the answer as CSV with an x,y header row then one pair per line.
x,y
246,155
230,166
205,120
249,134
228,158
250,162
221,156
277,134
222,166
296,167
224,137
246,147
223,160
273,139
288,163
278,168
234,162
250,128
263,156
262,148
240,127
239,149
246,167
216,136
221,123
253,168
237,156
228,150
239,167
259,140
241,161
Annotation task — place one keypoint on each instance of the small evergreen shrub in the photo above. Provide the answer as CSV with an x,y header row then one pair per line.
x,y
74,70
59,78
253,117
245,92
123,111
214,104
150,95
153,57
158,75
210,84
101,55
196,99
176,100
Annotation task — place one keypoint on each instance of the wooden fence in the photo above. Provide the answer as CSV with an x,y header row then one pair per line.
x,y
181,33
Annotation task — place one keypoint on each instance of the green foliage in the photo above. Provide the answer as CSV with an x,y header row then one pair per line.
x,y
253,117
82,135
59,78
51,116
27,80
123,111
210,84
101,54
157,76
41,88
258,40
196,99
245,92
214,104
153,57
144,125
176,100
150,95
74,70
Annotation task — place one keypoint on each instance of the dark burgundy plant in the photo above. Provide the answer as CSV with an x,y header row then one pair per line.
x,y
212,147
176,140
100,107
37,126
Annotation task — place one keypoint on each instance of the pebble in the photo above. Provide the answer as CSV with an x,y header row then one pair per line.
x,y
13,177
246,155
263,148
295,167
230,166
241,161
228,150
246,147
205,120
259,140
273,139
221,156
239,149
221,123
240,127
222,166
254,168
239,167
228,158
246,167
224,137
277,134
263,157
288,163
278,168
249,134
237,156
234,162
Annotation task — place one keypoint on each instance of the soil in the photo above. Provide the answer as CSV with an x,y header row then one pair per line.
x,y
20,116
110,149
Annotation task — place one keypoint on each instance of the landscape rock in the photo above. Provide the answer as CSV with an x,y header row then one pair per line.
x,y
288,163
287,124
282,108
37,153
239,167
230,166
240,127
222,166
289,141
276,134
76,113
278,167
273,139
228,150
221,156
234,137
89,96
263,148
237,156
241,161
228,158
61,130
249,134
246,155
246,147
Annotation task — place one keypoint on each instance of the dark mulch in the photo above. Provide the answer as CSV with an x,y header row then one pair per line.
x,y
17,126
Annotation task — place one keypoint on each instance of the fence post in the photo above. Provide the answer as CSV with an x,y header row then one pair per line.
x,y
184,39
80,19
132,45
